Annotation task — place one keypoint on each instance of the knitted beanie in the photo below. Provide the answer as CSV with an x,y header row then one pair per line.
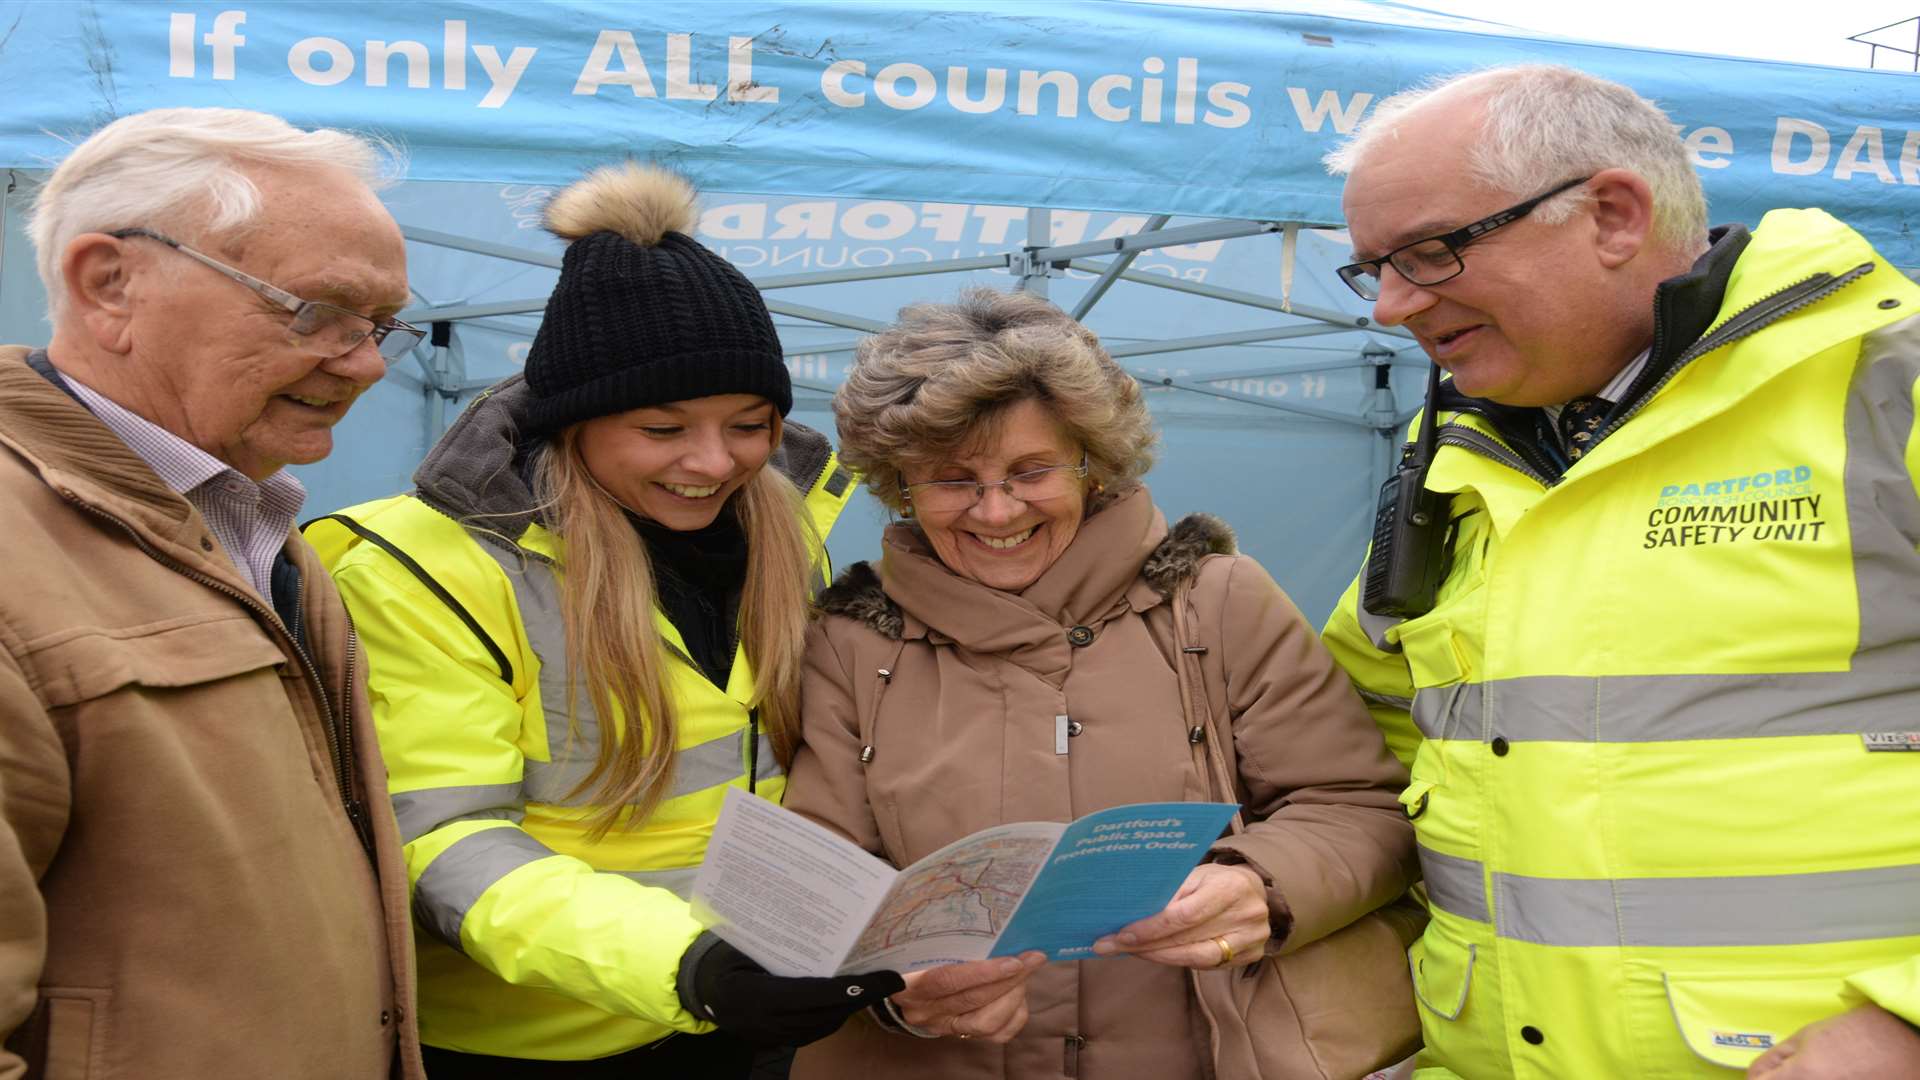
x,y
643,314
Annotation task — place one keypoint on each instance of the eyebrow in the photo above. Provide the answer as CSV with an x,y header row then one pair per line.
x,y
1423,231
347,294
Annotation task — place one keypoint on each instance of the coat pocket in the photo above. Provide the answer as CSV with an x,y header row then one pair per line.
x,y
65,1038
167,654
1731,1018
1442,969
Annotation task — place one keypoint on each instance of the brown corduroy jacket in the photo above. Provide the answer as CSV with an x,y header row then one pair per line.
x,y
956,687
182,893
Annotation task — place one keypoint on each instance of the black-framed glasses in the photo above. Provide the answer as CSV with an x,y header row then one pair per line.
x,y
333,330
1435,259
1033,485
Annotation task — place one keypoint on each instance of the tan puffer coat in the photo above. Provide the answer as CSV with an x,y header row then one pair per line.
x,y
955,688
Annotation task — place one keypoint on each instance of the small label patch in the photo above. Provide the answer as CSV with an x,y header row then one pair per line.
x,y
1743,1040
1891,740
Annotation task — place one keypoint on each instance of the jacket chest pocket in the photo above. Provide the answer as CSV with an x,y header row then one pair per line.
x,y
213,698
168,655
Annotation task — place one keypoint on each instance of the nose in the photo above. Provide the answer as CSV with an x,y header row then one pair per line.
x,y
706,455
361,365
1399,299
997,506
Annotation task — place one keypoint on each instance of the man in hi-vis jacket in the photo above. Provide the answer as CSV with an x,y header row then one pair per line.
x,y
1662,710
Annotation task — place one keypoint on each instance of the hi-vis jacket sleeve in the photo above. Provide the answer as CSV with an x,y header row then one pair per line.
x,y
34,796
1377,669
1322,794
451,732
1896,987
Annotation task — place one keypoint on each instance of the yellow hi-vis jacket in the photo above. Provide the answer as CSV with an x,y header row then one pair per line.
x,y
532,940
1660,717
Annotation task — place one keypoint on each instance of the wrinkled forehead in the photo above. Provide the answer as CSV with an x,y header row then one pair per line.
x,y
1414,183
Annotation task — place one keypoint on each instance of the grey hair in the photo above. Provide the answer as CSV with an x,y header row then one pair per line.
x,y
183,169
1545,124
934,382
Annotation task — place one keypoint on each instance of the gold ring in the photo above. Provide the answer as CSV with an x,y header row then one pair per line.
x,y
1226,951
961,1035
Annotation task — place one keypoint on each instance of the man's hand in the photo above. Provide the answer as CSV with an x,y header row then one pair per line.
x,y
1867,1041
1216,903
985,999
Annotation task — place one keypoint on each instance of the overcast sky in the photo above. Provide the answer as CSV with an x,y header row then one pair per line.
x,y
1809,33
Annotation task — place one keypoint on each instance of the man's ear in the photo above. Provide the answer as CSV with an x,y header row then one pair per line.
x,y
1622,210
98,272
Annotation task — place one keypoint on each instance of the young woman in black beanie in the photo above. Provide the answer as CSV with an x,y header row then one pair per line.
x,y
583,626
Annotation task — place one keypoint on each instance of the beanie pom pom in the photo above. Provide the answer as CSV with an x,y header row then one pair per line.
x,y
642,203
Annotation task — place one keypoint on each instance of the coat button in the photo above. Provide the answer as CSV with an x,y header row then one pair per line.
x,y
1499,746
1074,728
1080,636
1532,1035
385,1018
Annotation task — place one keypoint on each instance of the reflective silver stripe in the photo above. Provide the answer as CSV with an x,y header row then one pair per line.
x,y
695,768
1776,909
421,812
1667,708
1455,884
1883,512
452,883
1374,626
1435,706
766,762
679,882
1779,909
1555,911
1385,701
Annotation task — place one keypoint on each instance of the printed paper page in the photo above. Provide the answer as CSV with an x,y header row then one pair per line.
x,y
1111,868
783,890
952,905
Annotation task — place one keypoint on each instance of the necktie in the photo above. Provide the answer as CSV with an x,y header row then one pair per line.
x,y
1580,422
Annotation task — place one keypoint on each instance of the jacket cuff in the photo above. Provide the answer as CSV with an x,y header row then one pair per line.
x,y
685,983
1279,915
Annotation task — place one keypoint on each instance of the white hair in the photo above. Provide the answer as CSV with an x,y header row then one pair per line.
x,y
1544,125
183,169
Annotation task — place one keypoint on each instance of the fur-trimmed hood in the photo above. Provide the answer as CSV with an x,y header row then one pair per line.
x,y
859,594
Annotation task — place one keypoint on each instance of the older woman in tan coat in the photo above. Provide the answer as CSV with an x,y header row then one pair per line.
x,y
1013,658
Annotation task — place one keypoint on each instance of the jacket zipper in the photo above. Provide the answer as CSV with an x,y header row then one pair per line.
x,y
1743,323
342,764
1487,446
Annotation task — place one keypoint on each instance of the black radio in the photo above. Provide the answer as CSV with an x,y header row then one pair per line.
x,y
1409,529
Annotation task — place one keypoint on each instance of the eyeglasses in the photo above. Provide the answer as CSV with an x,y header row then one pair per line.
x,y
1034,485
1437,258
334,331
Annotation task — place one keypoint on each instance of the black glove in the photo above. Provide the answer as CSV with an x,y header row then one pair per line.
x,y
719,983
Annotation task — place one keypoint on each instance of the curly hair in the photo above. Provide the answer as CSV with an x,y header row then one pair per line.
x,y
934,382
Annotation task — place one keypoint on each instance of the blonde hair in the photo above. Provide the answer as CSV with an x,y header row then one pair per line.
x,y
614,650
934,382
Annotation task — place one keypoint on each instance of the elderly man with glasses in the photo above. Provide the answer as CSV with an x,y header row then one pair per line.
x,y
199,871
1642,611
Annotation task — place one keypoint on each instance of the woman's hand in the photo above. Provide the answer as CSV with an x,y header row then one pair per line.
x,y
1217,903
985,999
